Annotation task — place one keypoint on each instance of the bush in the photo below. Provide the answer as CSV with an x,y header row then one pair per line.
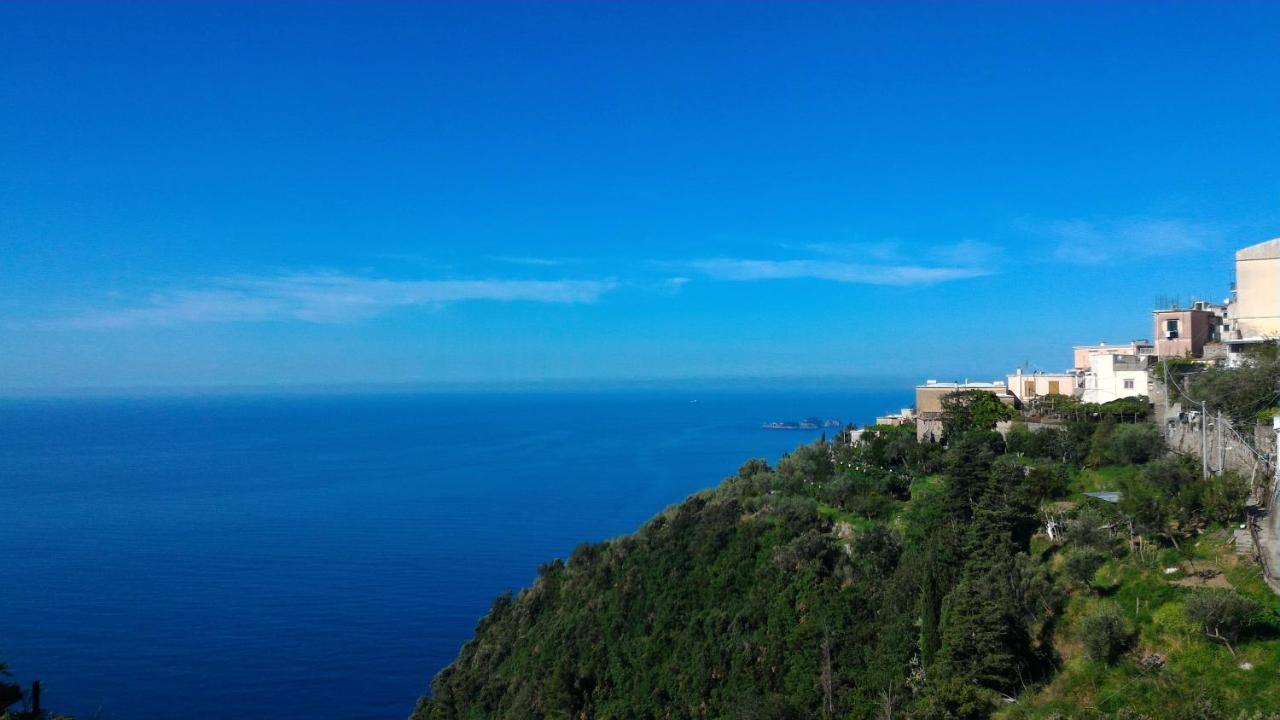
x,y
1079,564
1225,497
1089,527
1135,444
1106,634
1224,614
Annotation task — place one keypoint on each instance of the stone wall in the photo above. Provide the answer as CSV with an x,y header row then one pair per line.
x,y
1226,449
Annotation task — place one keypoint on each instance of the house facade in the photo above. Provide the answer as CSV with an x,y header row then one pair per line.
x,y
1029,386
1082,353
1184,332
1114,376
1253,313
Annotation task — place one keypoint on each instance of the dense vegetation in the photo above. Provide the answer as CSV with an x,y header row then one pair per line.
x,y
895,579
1247,394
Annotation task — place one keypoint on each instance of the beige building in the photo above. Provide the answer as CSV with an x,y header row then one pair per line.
x,y
1029,386
929,398
929,395
1082,353
1184,332
1254,311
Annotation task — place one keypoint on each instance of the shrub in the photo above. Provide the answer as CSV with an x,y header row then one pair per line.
x,y
1135,444
1080,563
1089,527
1106,634
1225,497
1224,614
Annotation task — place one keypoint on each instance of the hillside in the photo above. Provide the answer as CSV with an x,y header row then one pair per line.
x,y
893,579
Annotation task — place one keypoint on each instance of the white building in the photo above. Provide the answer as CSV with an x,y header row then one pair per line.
x,y
905,416
1111,377
1082,353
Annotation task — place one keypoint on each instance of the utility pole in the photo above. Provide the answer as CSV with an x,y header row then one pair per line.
x,y
1204,440
1222,448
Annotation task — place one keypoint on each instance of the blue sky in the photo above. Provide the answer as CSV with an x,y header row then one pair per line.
x,y
298,194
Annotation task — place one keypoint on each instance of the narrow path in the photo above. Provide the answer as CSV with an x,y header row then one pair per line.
x,y
1269,544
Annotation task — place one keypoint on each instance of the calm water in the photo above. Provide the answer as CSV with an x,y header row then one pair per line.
x,y
314,557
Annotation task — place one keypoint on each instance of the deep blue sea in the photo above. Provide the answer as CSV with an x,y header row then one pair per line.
x,y
323,556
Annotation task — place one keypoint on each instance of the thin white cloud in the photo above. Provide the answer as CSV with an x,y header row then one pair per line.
x,y
964,253
532,260
1086,242
740,269
327,298
968,253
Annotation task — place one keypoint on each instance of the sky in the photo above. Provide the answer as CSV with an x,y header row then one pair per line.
x,y
204,195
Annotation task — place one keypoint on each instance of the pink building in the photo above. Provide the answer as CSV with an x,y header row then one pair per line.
x,y
1183,333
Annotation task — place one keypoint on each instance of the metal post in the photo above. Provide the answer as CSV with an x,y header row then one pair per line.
x,y
1204,440
1222,448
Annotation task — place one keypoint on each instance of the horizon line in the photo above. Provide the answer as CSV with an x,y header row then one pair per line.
x,y
705,382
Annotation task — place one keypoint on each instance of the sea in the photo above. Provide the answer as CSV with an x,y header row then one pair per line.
x,y
296,556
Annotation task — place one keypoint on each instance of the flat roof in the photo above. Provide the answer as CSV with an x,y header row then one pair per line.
x,y
1127,344
935,383
1266,250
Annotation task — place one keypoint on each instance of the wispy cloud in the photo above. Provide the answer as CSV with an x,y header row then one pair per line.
x,y
964,253
326,298
533,260
844,272
1087,242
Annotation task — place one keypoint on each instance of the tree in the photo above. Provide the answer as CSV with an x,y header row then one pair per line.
x,y
968,468
1146,506
1224,614
1242,392
1135,444
1106,634
1224,498
1079,564
10,693
969,410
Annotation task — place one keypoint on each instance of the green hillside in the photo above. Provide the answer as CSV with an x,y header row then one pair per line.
x,y
892,579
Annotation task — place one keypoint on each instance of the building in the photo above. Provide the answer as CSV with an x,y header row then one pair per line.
x,y
930,395
1029,386
1253,313
1184,332
1082,353
905,416
1114,376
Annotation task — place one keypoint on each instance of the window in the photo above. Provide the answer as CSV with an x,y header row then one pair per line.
x,y
1128,384
1171,329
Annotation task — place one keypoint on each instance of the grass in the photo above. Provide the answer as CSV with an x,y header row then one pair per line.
x,y
858,522
1199,677
926,484
1103,478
